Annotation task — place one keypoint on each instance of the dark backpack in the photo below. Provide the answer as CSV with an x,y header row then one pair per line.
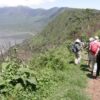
x,y
76,47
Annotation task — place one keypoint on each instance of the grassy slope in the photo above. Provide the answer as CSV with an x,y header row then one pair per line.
x,y
68,25
71,81
57,78
60,80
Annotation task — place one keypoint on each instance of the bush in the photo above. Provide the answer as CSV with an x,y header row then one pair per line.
x,y
16,79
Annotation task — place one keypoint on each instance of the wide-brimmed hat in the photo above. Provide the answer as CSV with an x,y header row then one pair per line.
x,y
77,40
96,37
91,39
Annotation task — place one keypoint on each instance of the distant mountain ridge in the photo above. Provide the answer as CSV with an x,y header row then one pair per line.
x,y
25,19
23,10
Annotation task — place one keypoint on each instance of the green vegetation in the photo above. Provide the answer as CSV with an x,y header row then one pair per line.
x,y
16,80
51,73
50,70
69,25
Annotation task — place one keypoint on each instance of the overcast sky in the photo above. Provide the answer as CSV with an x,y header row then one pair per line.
x,y
94,4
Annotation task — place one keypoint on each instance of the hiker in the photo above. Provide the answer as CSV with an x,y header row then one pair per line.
x,y
98,63
96,38
94,48
98,55
91,57
76,49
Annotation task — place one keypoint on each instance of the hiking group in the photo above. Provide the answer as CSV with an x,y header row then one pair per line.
x,y
93,54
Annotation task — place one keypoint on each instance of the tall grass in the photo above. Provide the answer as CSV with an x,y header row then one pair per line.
x,y
58,78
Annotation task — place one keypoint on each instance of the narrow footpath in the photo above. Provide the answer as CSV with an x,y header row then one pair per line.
x,y
93,88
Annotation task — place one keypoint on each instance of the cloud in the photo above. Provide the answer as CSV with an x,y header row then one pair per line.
x,y
24,2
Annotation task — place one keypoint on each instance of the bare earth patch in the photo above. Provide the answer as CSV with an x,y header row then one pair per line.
x,y
94,89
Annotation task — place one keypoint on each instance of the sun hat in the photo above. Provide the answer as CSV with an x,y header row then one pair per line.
x,y
91,39
96,37
77,40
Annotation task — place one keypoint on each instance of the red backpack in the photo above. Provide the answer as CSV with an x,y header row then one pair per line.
x,y
94,47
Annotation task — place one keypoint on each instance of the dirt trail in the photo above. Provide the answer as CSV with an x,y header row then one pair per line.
x,y
94,89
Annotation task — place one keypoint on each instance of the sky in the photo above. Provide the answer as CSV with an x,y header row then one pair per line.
x,y
94,4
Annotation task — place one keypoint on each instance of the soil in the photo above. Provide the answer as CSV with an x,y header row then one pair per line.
x,y
94,88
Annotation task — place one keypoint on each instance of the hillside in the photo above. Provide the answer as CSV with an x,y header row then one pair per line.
x,y
24,19
70,24
50,74
73,24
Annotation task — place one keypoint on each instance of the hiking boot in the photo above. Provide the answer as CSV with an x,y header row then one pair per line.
x,y
98,78
94,77
94,74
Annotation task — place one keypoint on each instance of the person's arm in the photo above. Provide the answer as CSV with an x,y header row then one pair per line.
x,y
89,47
97,52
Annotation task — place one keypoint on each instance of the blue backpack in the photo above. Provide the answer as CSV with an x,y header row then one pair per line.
x,y
76,47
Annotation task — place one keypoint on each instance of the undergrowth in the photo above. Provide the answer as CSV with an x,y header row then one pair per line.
x,y
49,76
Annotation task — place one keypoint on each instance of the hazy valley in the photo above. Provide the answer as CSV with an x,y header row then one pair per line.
x,y
19,23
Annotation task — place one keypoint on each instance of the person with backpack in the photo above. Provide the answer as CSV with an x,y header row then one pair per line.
x,y
94,48
91,57
76,49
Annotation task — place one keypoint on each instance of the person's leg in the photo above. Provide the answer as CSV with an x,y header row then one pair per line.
x,y
89,60
79,57
98,63
93,62
94,67
98,68
76,58
95,70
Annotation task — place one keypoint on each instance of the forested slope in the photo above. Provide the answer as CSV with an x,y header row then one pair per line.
x,y
70,24
51,73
